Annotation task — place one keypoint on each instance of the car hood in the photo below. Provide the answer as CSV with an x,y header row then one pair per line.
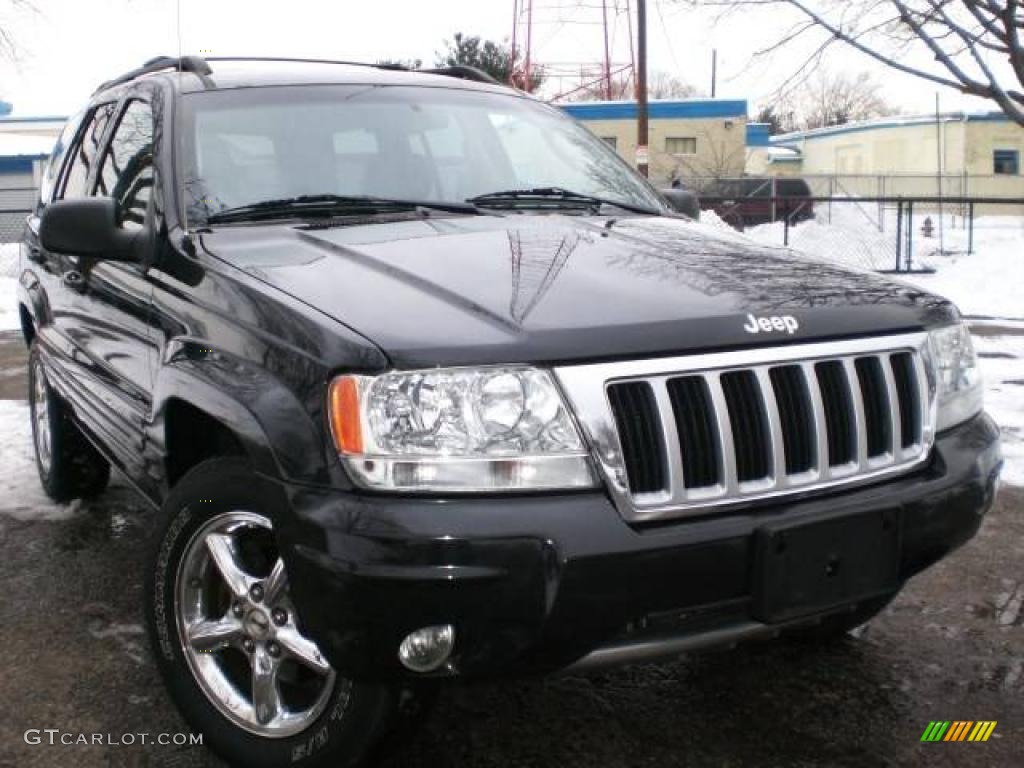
x,y
453,290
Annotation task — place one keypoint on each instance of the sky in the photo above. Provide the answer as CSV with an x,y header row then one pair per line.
x,y
67,47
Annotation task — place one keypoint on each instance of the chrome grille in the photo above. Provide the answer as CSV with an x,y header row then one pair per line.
x,y
678,436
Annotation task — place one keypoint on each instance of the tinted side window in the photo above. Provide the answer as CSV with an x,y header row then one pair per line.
x,y
49,180
757,188
127,170
85,152
793,188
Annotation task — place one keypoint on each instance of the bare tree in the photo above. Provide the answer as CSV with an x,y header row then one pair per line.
x,y
660,85
8,8
663,85
829,98
973,46
717,159
780,118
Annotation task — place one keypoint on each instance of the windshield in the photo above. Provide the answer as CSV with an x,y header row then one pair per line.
x,y
242,147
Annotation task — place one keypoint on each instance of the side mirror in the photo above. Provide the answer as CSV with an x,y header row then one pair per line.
x,y
86,226
683,201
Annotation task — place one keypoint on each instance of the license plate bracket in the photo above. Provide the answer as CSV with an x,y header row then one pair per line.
x,y
806,568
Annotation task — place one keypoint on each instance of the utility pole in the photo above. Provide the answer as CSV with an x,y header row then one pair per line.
x,y
515,53
642,152
938,169
714,72
529,46
607,54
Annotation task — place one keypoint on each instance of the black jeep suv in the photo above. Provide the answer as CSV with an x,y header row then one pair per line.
x,y
424,382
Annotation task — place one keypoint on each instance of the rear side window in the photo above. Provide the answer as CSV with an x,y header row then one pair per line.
x,y
86,152
757,188
56,161
793,188
127,171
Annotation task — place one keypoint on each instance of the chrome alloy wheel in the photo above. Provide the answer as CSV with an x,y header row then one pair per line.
x,y
238,631
41,417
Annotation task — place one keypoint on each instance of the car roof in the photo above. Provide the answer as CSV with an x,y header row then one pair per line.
x,y
217,74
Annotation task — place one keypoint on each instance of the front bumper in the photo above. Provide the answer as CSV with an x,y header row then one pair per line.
x,y
537,583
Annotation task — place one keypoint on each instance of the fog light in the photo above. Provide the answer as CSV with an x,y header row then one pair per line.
x,y
427,649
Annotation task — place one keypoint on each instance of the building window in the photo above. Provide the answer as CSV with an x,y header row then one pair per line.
x,y
611,141
1006,162
680,145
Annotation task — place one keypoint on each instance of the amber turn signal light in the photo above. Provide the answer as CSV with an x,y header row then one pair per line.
x,y
346,428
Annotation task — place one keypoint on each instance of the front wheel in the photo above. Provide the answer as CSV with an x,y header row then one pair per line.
x,y
227,639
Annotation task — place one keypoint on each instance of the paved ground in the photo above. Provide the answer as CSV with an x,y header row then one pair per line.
x,y
950,647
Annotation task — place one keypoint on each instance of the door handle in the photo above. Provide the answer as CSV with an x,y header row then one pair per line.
x,y
73,279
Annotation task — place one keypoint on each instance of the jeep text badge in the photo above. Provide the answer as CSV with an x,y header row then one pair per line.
x,y
773,324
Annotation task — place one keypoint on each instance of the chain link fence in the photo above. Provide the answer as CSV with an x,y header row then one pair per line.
x,y
878,185
16,203
882,234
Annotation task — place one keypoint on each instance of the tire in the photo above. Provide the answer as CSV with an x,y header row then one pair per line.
x,y
837,627
219,520
69,465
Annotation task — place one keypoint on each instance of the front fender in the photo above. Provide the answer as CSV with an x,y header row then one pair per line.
x,y
281,436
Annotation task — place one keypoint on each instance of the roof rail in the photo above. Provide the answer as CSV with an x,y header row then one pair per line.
x,y
464,72
303,61
194,64
200,66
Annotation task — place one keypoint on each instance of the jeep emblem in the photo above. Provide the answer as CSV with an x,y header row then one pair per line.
x,y
773,324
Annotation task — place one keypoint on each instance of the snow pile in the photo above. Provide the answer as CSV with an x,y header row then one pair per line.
x,y
990,282
986,284
1002,364
21,495
9,259
849,236
9,319
712,219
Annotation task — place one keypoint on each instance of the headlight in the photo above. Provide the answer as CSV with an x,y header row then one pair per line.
x,y
488,429
958,379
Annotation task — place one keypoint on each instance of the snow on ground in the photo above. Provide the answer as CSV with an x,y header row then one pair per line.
x,y
989,282
9,320
21,495
1002,364
986,283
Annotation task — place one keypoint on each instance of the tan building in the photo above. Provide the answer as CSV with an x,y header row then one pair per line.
x,y
687,138
977,154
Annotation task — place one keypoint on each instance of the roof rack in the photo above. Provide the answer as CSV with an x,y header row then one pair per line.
x,y
461,71
194,64
464,72
200,66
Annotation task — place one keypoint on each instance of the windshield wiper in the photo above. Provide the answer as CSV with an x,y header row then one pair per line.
x,y
328,205
547,196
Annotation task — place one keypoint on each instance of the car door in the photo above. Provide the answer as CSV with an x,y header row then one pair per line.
x,y
67,176
107,310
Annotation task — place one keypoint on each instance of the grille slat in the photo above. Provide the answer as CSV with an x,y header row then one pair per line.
x,y
685,436
749,425
796,417
839,414
875,401
909,398
691,407
636,416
